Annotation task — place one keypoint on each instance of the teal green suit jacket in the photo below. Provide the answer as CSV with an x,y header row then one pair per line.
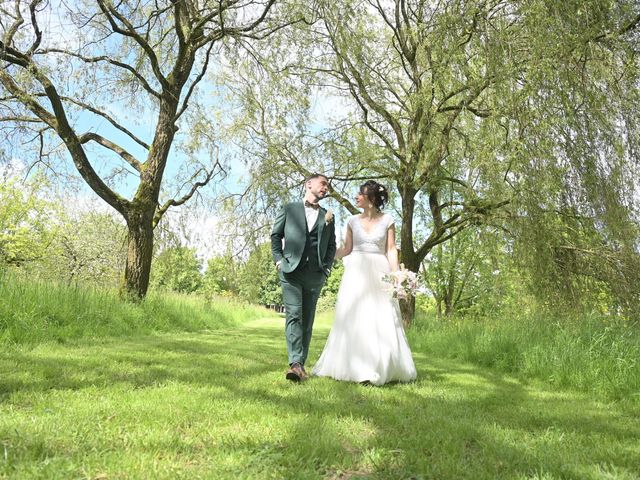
x,y
291,225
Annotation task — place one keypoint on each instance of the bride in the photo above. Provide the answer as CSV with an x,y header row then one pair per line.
x,y
367,343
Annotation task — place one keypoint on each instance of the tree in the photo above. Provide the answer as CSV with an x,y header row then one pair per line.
x,y
26,229
443,101
450,273
88,246
575,217
471,272
258,278
420,78
221,275
177,269
152,54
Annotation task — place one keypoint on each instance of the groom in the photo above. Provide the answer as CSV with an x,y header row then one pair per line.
x,y
304,262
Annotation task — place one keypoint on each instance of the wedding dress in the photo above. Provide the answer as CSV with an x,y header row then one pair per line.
x,y
367,341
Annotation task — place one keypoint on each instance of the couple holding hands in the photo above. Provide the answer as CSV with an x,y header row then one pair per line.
x,y
367,343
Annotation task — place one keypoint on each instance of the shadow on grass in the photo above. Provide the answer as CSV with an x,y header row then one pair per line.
x,y
456,421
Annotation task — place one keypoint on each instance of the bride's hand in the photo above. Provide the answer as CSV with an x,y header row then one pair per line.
x,y
346,246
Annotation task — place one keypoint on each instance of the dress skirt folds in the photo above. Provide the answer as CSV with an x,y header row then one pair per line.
x,y
367,341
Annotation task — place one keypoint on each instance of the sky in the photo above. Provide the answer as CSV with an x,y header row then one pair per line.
x,y
59,32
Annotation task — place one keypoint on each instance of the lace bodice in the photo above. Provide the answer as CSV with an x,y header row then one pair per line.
x,y
374,241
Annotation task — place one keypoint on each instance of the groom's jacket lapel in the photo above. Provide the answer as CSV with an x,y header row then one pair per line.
x,y
300,218
321,213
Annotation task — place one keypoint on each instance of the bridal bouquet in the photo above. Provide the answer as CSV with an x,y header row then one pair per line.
x,y
401,284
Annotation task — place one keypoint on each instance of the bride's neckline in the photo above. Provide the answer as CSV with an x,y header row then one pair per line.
x,y
374,224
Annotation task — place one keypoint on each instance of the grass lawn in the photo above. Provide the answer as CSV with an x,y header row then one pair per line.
x,y
215,405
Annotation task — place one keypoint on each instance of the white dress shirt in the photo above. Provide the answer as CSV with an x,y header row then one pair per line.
x,y
312,216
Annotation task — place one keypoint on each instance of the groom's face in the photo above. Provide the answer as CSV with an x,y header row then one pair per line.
x,y
318,186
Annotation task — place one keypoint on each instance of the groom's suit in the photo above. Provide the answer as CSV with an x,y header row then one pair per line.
x,y
305,262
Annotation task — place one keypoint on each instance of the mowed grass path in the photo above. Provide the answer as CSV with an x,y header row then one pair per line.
x,y
216,405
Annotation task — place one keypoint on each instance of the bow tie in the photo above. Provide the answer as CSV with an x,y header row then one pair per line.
x,y
315,206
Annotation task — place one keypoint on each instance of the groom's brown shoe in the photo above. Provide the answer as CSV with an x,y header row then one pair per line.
x,y
295,373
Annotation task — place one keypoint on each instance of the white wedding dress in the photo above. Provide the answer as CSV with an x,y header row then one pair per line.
x,y
367,341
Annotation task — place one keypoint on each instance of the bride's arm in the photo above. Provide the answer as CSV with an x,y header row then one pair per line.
x,y
345,248
392,251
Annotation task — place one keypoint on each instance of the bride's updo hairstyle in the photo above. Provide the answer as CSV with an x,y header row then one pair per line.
x,y
375,192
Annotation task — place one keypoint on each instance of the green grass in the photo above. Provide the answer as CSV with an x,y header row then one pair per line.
x,y
33,311
92,388
216,405
591,354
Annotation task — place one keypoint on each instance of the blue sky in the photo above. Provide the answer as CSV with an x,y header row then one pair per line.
x,y
59,32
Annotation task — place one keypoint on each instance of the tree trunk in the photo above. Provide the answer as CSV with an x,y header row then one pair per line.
x,y
139,256
408,310
438,308
408,255
448,307
408,306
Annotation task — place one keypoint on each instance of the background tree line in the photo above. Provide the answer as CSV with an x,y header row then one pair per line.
x,y
476,273
78,245
507,132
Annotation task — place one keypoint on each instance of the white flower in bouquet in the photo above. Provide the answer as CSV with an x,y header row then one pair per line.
x,y
401,284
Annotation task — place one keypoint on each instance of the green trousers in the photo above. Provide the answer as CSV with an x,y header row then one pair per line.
x,y
300,291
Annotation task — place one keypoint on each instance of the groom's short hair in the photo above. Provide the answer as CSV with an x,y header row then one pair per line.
x,y
316,175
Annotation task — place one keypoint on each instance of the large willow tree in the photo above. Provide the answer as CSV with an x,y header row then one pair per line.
x,y
458,104
577,209
129,65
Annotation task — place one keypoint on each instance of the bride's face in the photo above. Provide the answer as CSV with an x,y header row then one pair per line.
x,y
361,199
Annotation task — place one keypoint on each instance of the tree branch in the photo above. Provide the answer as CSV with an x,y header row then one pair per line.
x,y
129,31
104,58
59,122
34,22
460,107
11,31
130,159
111,120
161,210
456,223
28,100
632,25
21,119
364,94
193,85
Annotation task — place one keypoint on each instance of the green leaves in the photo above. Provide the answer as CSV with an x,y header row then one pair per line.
x,y
258,278
178,269
25,226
